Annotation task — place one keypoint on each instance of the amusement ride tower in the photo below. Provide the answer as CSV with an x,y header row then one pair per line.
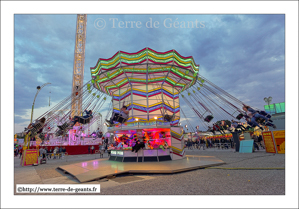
x,y
79,57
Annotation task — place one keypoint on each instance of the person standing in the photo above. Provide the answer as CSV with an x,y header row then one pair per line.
x,y
255,141
55,152
63,152
202,144
20,152
50,152
46,152
210,143
106,146
88,149
92,149
101,150
60,152
16,151
40,152
197,142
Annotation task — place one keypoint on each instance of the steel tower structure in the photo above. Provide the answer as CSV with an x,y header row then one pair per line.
x,y
100,122
79,57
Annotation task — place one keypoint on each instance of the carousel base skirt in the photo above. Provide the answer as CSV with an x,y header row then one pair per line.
x,y
152,155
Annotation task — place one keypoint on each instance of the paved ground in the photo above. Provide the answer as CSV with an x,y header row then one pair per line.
x,y
257,173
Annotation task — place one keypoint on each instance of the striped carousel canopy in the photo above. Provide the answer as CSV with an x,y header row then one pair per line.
x,y
145,67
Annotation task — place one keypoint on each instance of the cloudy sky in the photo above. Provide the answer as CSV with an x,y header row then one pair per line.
x,y
242,54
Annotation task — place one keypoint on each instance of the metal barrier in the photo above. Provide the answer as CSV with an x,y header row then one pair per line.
x,y
216,145
95,153
222,145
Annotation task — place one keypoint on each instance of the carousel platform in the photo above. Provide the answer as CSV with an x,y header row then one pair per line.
x,y
101,168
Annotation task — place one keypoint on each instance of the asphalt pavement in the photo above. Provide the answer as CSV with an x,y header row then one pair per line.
x,y
257,173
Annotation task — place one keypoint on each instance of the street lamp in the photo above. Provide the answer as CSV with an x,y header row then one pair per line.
x,y
38,90
268,100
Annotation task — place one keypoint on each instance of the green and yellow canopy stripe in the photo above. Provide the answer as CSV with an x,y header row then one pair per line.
x,y
145,54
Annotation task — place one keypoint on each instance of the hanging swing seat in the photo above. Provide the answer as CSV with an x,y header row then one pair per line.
x,y
85,120
36,129
264,114
240,116
260,120
65,126
169,118
60,132
209,118
119,119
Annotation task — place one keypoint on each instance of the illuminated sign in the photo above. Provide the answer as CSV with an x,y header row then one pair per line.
x,y
275,108
120,153
113,152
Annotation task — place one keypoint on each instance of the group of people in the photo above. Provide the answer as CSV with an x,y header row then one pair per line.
x,y
253,117
18,151
215,128
56,152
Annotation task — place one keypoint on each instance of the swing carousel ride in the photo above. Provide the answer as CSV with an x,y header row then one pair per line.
x,y
153,86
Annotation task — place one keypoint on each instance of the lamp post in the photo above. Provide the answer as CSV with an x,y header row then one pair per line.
x,y
268,100
38,90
